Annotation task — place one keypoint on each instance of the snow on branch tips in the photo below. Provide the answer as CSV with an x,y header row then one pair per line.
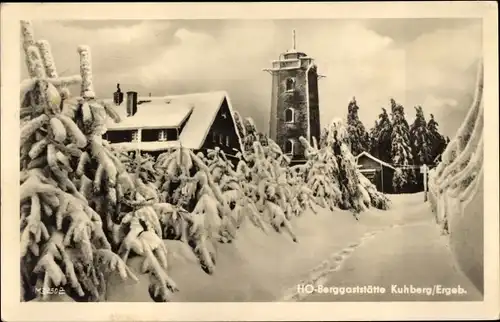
x,y
348,186
87,90
28,39
73,189
46,53
455,179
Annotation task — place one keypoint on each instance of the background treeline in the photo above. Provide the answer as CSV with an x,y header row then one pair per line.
x,y
393,140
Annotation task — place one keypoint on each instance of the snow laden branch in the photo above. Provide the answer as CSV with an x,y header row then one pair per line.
x,y
196,210
456,191
319,174
269,181
76,228
42,73
270,186
351,189
63,241
457,178
235,190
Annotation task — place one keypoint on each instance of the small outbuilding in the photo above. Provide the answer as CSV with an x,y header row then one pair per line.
x,y
377,171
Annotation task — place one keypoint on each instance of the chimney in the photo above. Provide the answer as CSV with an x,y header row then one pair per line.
x,y
118,95
131,103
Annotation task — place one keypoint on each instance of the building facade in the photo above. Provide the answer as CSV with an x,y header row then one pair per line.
x,y
294,102
377,171
154,125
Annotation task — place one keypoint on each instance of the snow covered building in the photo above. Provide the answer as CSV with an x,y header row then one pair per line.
x,y
294,102
155,124
377,171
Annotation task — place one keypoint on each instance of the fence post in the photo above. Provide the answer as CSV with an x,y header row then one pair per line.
x,y
423,170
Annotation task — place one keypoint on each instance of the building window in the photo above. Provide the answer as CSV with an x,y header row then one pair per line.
x,y
214,137
289,115
162,135
172,134
290,84
289,145
221,139
224,115
135,136
227,140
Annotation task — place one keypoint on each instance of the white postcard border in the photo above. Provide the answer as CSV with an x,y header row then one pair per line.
x,y
13,310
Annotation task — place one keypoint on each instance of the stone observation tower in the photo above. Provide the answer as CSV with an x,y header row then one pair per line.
x,y
294,102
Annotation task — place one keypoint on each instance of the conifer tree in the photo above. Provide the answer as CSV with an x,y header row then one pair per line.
x,y
251,134
240,126
437,141
382,137
421,143
373,140
268,167
64,239
357,135
320,174
235,188
74,230
194,208
400,149
335,138
276,190
332,177
128,209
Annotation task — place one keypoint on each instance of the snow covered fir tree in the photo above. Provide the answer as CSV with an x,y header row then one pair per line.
x,y
394,141
381,137
401,153
95,216
456,188
421,141
357,135
74,228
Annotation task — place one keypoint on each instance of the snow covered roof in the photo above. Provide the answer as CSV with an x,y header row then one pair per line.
x,y
200,110
154,112
368,155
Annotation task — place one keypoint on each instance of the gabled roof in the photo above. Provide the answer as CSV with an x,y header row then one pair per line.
x,y
368,155
200,110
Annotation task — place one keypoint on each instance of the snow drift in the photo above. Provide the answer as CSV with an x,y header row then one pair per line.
x,y
456,190
257,266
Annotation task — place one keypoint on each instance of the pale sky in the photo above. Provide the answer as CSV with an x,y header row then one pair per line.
x,y
427,62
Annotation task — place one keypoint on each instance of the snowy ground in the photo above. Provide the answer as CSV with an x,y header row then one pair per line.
x,y
412,252
256,266
401,246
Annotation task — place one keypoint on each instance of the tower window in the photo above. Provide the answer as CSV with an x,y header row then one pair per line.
x,y
289,115
227,140
289,145
221,139
290,84
214,137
